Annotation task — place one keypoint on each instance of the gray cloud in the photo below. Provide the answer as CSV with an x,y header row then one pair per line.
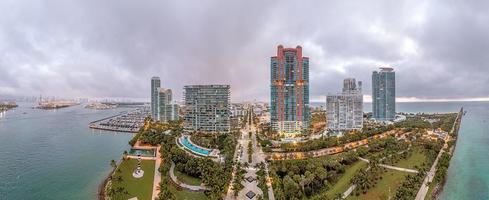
x,y
112,48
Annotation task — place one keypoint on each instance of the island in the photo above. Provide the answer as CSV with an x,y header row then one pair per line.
x,y
7,106
406,159
55,104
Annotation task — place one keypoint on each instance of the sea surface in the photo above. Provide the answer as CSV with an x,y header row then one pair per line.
x,y
54,155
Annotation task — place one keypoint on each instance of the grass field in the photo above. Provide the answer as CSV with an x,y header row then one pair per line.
x,y
385,188
187,195
344,182
416,159
190,180
142,188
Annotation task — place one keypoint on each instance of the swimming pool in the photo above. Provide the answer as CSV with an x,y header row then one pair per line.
x,y
142,152
184,141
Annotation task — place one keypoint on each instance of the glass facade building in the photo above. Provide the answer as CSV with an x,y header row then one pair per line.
x,y
155,87
289,91
167,111
384,94
344,111
207,108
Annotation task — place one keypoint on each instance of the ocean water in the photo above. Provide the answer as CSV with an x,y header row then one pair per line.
x,y
52,154
468,174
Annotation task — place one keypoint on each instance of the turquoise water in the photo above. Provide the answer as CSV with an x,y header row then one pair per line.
x,y
468,175
142,152
52,154
191,147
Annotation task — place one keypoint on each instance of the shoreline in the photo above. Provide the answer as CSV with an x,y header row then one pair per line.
x,y
441,187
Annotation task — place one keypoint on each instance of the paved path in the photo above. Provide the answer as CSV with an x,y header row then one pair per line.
x,y
250,171
157,176
184,185
429,177
349,191
392,167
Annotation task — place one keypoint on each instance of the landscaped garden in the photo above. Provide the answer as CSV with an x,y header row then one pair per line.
x,y
125,186
309,178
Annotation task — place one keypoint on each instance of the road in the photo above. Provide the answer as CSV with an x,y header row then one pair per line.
x,y
257,157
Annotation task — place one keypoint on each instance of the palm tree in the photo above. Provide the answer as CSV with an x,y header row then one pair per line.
x,y
113,164
125,155
111,192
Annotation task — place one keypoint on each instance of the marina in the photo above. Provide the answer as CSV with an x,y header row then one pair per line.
x,y
130,121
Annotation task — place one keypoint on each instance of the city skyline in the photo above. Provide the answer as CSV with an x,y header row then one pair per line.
x,y
99,52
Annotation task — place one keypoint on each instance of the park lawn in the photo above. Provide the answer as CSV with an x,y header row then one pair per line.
x,y
344,182
185,178
186,195
142,188
386,187
417,158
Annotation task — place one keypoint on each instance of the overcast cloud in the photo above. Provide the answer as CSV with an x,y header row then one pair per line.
x,y
111,48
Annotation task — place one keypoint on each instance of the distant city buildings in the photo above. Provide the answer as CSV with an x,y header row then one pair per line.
x,y
344,111
207,108
155,85
289,87
167,111
384,94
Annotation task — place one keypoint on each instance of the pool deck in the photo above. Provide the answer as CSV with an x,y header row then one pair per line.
x,y
138,145
214,153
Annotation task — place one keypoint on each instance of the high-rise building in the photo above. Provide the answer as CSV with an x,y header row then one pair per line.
x,y
207,108
289,87
155,87
167,111
344,111
384,94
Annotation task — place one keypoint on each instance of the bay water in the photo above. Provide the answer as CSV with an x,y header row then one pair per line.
x,y
52,154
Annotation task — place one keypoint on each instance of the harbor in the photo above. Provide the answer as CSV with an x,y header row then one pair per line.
x,y
130,121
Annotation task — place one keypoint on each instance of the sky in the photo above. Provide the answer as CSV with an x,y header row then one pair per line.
x,y
112,48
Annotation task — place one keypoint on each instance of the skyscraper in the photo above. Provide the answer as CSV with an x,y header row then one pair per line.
x,y
345,110
207,108
155,87
167,110
384,94
289,87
